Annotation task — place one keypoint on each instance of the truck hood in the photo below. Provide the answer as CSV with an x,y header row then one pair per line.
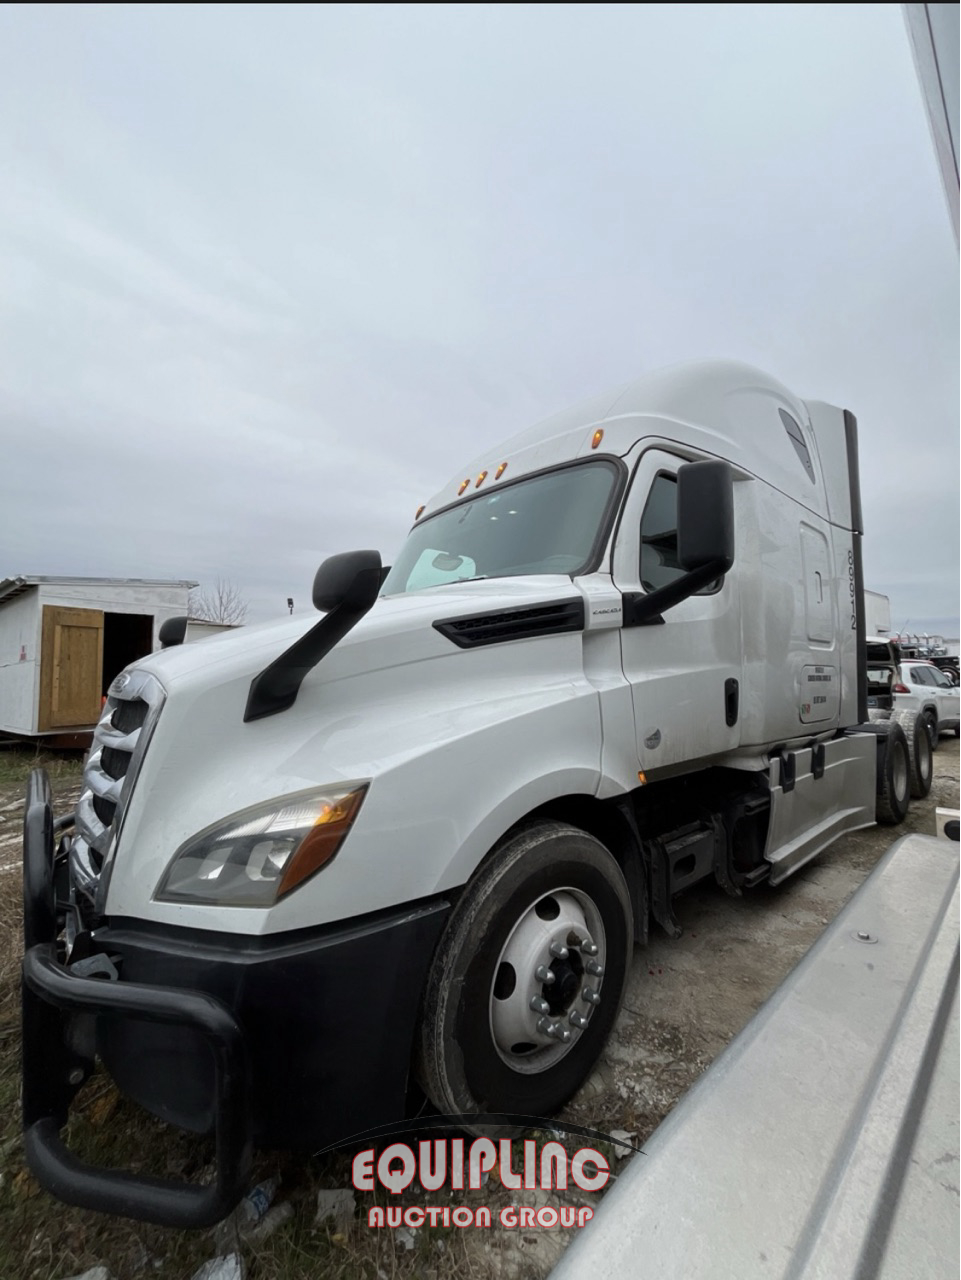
x,y
397,631
398,705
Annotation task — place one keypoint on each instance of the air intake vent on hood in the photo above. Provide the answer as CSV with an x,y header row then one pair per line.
x,y
516,624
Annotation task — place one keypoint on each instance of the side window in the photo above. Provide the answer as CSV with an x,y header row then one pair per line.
x,y
918,675
659,562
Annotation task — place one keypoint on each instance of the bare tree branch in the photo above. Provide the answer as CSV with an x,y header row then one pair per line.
x,y
222,603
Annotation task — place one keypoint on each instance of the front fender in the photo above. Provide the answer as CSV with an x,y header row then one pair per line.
x,y
456,752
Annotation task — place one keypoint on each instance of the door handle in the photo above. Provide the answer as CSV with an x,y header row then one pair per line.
x,y
731,699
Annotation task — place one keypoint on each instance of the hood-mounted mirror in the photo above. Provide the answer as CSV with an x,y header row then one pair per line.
x,y
345,587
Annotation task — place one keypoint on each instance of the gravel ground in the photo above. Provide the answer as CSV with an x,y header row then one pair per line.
x,y
686,999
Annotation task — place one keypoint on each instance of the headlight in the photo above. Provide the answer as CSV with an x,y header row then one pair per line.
x,y
256,856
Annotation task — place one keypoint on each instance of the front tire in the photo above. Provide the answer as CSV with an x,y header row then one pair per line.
x,y
507,1024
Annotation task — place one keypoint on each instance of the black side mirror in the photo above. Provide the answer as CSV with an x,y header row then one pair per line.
x,y
345,587
351,579
705,516
705,540
172,632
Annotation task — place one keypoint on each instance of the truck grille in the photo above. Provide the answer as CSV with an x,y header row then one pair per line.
x,y
128,716
120,739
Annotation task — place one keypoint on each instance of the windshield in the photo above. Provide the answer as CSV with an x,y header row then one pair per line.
x,y
550,523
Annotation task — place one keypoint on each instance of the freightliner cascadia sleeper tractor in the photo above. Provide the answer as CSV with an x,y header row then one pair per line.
x,y
321,870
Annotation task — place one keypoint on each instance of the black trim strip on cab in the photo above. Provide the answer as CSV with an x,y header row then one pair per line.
x,y
554,618
857,533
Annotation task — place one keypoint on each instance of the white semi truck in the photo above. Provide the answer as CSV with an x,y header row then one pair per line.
x,y
321,871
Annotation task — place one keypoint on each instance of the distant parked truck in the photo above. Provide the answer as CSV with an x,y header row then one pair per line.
x,y
923,646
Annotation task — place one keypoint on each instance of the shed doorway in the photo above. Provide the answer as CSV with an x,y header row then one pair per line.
x,y
126,637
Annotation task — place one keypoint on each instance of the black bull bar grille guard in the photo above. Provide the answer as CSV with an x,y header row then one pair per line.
x,y
53,996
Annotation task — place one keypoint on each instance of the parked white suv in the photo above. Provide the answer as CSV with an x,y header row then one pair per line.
x,y
922,687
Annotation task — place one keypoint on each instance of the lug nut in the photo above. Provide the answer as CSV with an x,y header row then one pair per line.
x,y
539,1005
543,974
559,951
76,1076
590,996
554,1030
594,969
589,948
578,1020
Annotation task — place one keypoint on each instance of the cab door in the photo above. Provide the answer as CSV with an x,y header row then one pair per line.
x,y
685,672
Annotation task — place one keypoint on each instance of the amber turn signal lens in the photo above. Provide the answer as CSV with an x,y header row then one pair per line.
x,y
480,479
420,510
597,438
500,470
464,484
322,841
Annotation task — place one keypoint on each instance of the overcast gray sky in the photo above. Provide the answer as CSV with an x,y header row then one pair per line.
x,y
269,275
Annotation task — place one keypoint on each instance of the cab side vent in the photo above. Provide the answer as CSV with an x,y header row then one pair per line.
x,y
516,624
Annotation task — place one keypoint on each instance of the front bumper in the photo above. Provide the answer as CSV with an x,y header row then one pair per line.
x,y
297,1041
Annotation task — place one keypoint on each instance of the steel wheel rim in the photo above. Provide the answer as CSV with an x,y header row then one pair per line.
x,y
518,1028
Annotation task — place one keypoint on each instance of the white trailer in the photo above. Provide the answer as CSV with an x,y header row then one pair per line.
x,y
877,614
411,846
62,641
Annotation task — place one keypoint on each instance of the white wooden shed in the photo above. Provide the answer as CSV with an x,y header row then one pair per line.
x,y
62,641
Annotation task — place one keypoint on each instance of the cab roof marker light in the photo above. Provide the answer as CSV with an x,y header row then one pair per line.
x,y
480,479
463,486
420,510
597,437
500,470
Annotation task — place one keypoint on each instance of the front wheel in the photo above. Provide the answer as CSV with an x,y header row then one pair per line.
x,y
528,976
